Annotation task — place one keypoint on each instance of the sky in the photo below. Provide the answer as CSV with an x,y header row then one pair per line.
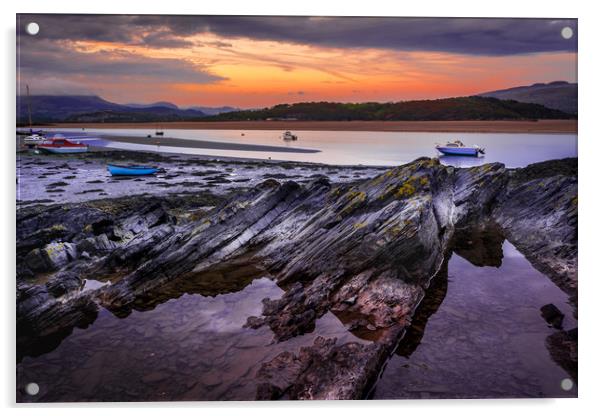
x,y
260,61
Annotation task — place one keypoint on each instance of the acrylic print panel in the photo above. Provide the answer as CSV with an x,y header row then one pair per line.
x,y
279,208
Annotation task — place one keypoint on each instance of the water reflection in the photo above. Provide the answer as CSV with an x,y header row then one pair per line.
x,y
463,161
184,341
479,332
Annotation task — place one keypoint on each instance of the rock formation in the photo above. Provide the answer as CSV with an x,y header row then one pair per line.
x,y
367,251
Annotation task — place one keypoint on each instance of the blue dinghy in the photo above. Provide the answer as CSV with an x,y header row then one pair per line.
x,y
117,170
457,148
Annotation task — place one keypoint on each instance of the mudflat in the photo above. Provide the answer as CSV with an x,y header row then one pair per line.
x,y
480,126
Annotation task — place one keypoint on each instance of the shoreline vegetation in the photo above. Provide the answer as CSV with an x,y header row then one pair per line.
x,y
470,126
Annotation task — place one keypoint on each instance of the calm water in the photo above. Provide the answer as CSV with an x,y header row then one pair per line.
x,y
368,148
479,333
485,339
185,343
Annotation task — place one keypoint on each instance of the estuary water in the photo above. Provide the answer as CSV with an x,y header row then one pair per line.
x,y
349,147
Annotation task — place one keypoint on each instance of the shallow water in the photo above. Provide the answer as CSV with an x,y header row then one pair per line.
x,y
186,343
478,333
484,338
367,148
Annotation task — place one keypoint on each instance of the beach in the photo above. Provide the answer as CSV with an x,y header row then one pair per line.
x,y
522,126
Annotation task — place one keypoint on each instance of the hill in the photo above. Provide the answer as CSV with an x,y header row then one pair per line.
x,y
89,108
558,95
211,111
157,104
447,109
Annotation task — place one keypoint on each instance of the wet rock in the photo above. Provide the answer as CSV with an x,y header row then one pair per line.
x,y
52,257
59,254
57,184
323,371
366,251
63,282
552,315
562,346
538,212
98,245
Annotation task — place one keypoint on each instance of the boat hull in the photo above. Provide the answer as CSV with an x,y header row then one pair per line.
x,y
116,170
459,151
63,150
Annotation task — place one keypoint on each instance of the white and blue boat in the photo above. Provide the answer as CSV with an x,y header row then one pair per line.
x,y
457,148
117,170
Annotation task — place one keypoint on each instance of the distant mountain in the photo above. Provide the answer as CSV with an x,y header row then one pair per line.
x,y
157,104
460,108
84,108
558,95
211,111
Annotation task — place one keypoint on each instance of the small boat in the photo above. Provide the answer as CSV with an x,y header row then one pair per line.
x,y
33,139
457,148
29,132
58,144
287,135
117,170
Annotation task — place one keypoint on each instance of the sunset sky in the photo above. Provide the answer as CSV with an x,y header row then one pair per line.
x,y
256,61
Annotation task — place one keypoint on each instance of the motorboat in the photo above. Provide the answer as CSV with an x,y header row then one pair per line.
x,y
33,139
457,148
118,170
287,135
60,145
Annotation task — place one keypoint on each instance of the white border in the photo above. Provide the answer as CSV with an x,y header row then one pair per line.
x,y
590,140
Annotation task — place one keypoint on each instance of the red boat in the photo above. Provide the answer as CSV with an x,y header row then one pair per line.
x,y
59,144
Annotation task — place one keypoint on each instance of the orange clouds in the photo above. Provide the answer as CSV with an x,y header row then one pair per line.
x,y
257,73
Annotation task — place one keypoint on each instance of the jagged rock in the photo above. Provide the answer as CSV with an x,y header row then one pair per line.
x,y
97,246
562,346
323,371
30,298
63,282
366,251
552,315
538,212
60,253
52,257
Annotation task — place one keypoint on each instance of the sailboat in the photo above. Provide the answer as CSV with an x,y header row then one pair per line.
x,y
35,136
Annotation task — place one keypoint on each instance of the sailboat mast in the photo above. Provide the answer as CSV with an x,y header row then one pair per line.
x,y
28,105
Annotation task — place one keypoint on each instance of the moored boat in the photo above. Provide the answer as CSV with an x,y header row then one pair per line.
x,y
118,170
287,135
34,139
457,148
58,144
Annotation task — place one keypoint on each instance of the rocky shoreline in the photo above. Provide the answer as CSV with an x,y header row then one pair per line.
x,y
51,179
365,248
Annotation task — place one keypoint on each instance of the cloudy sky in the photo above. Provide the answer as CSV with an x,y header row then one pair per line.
x,y
252,61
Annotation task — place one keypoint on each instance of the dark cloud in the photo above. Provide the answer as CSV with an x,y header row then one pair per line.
x,y
163,39
49,61
459,35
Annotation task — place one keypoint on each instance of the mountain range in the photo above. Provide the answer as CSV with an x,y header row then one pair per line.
x,y
558,95
556,100
90,108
